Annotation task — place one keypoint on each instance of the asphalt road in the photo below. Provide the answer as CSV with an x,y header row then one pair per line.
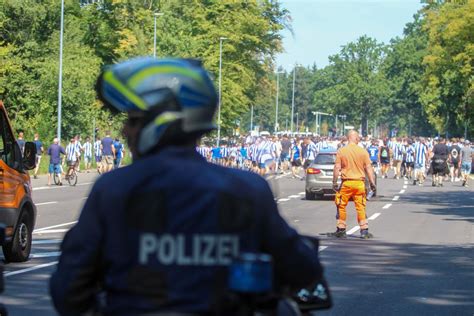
x,y
420,261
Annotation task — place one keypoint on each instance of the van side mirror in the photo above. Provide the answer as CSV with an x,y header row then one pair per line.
x,y
29,156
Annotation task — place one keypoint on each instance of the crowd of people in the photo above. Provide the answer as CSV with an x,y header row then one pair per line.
x,y
412,158
106,152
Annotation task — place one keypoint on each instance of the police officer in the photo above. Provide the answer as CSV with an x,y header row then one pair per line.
x,y
157,236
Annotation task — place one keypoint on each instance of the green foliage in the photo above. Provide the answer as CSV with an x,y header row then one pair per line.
x,y
113,30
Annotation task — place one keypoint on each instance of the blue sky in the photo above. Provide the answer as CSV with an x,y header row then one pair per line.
x,y
321,27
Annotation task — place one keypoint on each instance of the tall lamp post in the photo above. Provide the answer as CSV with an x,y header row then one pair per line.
x,y
277,96
220,92
155,15
293,99
60,84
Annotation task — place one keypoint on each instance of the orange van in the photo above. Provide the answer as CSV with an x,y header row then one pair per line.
x,y
17,210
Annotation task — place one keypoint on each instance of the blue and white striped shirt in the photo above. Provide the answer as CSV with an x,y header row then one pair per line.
x,y
87,147
420,153
72,152
397,152
97,150
410,153
311,151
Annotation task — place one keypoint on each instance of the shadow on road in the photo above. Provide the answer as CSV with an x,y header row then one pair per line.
x,y
454,203
399,279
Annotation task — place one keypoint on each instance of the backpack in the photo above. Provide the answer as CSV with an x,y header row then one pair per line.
x,y
384,152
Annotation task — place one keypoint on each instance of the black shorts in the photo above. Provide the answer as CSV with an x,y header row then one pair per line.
x,y
384,161
296,163
440,167
410,165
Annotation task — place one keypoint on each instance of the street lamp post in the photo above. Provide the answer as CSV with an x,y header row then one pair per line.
x,y
155,15
60,84
293,99
220,92
277,96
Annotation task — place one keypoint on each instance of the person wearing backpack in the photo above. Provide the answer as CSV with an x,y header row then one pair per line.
x,y
384,158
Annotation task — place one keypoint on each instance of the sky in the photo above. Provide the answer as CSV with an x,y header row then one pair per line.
x,y
321,27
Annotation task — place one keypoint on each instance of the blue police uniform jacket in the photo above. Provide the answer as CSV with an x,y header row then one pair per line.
x,y
158,235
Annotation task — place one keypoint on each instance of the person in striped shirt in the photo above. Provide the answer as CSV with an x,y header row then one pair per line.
x,y
409,159
98,154
72,156
397,157
311,152
87,148
79,148
421,159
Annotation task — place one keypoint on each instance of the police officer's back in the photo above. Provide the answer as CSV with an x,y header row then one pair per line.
x,y
158,235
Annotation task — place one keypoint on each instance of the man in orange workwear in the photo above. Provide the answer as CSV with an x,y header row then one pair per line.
x,y
352,164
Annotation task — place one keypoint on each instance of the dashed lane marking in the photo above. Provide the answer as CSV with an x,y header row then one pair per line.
x,y
294,196
51,231
302,193
386,206
283,200
395,198
405,187
374,216
321,248
59,187
46,203
54,226
402,191
46,254
353,230
40,266
46,241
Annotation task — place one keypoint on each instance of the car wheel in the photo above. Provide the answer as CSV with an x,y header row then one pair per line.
x,y
19,248
310,196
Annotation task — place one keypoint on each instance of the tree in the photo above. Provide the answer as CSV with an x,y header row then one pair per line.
x,y
448,94
354,83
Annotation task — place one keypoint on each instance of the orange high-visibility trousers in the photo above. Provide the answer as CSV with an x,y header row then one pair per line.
x,y
356,190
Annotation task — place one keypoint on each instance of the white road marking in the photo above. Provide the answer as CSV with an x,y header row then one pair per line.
x,y
40,266
54,226
353,230
46,203
294,196
405,182
395,198
374,216
404,186
59,186
283,200
51,231
297,220
46,241
302,193
46,254
321,248
386,206
402,191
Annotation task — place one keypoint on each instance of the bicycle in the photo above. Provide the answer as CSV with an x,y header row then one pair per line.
x,y
71,175
56,175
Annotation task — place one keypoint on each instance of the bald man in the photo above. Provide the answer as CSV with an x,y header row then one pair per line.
x,y
352,165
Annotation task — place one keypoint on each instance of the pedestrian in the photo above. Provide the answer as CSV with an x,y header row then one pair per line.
x,y
384,158
108,152
54,153
77,142
72,156
39,153
21,142
421,161
98,154
150,250
119,153
352,165
87,148
439,165
454,161
466,160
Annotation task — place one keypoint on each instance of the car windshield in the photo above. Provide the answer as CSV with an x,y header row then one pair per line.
x,y
325,159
